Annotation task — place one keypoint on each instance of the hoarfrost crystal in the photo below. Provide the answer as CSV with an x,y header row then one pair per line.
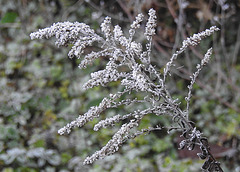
x,y
123,52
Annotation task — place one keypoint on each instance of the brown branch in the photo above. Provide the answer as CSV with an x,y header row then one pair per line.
x,y
171,10
126,10
210,90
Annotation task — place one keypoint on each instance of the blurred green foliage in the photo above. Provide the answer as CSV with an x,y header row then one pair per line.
x,y
9,17
40,91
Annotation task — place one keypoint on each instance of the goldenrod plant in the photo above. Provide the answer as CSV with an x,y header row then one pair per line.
x,y
139,76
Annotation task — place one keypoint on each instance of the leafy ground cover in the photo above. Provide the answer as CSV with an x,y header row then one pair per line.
x,y
41,88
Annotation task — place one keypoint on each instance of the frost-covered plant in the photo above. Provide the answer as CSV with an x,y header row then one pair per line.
x,y
141,76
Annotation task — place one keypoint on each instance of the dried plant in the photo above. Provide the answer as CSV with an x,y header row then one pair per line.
x,y
141,76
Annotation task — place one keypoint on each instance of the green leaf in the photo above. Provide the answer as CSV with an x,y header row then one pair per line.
x,y
167,161
12,133
161,145
65,157
94,102
25,169
2,132
9,17
56,71
8,170
39,143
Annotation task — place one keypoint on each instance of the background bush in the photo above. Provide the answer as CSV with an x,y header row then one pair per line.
x,y
41,88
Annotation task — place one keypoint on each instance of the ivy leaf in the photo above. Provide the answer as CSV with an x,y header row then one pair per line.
x,y
9,17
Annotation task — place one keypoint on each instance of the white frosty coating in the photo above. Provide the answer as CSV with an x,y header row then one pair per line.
x,y
196,38
190,41
106,28
92,113
149,32
78,34
151,24
113,144
117,118
105,76
118,36
122,51
136,81
199,67
107,122
89,58
135,25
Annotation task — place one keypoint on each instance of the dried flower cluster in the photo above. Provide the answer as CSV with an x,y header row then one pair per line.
x,y
122,51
